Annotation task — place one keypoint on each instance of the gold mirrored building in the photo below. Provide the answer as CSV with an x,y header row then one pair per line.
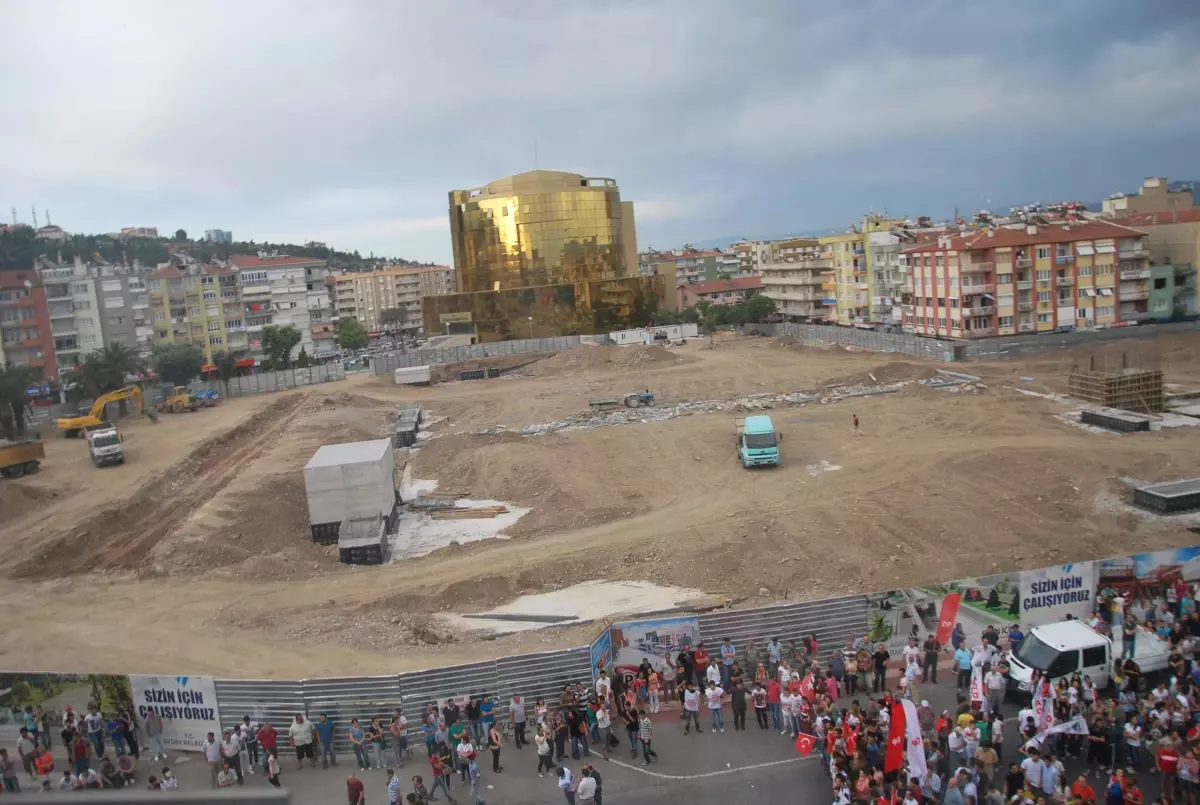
x,y
543,253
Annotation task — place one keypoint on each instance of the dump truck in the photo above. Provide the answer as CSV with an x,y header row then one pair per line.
x,y
21,458
104,445
72,426
757,441
631,400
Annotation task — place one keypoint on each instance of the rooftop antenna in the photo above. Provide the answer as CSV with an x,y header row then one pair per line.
x,y
34,209
14,212
47,216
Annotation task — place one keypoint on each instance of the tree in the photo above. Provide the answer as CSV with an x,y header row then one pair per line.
x,y
14,380
993,599
663,317
302,360
724,275
278,343
181,234
350,333
393,316
226,368
1015,607
178,363
759,307
105,370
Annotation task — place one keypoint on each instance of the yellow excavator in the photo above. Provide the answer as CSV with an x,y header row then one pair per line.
x,y
72,426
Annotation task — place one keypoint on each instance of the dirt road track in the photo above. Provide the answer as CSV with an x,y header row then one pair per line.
x,y
121,537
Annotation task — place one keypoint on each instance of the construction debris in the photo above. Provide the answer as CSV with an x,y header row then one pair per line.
x,y
460,513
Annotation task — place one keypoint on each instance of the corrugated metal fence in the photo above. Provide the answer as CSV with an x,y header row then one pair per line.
x,y
286,379
532,676
386,364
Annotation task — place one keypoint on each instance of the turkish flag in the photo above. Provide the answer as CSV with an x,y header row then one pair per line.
x,y
805,744
895,795
851,739
830,740
806,688
948,617
894,756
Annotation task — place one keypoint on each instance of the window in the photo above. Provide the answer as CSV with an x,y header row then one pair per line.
x,y
953,302
214,326
215,340
111,286
193,311
1005,300
113,302
1043,296
1083,293
208,280
160,316
1006,321
1160,283
80,287
156,285
1043,275
1084,271
210,296
83,305
1003,279
233,323
162,333
254,278
1043,318
1043,252
939,260
1095,657
189,282
1158,304
941,301
1104,270
942,323
1104,311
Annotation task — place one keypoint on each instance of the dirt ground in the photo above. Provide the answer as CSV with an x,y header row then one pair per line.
x,y
195,557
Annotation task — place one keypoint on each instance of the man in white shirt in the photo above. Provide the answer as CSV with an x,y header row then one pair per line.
x,y
785,709
712,675
231,755
714,696
785,673
912,652
603,686
586,792
691,708
226,778
1033,768
993,683
212,756
303,734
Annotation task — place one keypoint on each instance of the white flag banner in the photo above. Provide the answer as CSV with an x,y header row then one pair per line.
x,y
1076,726
916,749
977,684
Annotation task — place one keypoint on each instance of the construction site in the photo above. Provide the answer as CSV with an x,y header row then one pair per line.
x,y
511,500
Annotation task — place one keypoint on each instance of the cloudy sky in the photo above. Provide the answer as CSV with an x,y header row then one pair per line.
x,y
349,121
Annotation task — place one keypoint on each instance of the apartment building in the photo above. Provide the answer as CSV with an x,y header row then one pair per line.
x,y
365,296
218,236
849,283
718,292
1155,195
1174,239
276,290
198,305
793,273
1032,279
75,314
124,307
25,336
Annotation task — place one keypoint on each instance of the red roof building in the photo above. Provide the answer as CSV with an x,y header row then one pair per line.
x,y
718,292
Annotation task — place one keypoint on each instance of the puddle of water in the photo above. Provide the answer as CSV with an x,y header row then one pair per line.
x,y
584,602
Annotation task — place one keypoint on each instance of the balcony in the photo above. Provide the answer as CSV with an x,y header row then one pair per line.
x,y
1133,296
859,250
1026,327
768,279
980,332
1023,262
1024,285
860,286
976,268
982,310
1135,273
64,331
1065,280
176,301
1185,289
1183,268
1025,307
796,297
978,287
1132,254
62,314
1064,258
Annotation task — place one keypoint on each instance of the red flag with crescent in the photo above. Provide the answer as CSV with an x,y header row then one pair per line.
x,y
947,617
805,744
893,757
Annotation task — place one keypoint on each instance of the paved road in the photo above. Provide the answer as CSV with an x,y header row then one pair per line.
x,y
758,767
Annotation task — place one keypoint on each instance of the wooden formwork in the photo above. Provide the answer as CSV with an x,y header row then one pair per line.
x,y
1139,390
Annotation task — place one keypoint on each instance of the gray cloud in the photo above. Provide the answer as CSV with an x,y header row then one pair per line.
x,y
349,122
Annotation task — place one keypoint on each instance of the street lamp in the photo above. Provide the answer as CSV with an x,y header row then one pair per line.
x,y
531,328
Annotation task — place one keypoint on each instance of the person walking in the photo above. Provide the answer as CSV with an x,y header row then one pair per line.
x,y
645,734
544,750
393,787
273,767
566,783
153,730
631,729
473,777
604,725
355,791
212,756
441,778
516,715
691,709
494,744
715,698
8,772
325,731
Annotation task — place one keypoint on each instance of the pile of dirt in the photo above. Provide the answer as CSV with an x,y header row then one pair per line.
x,y
598,359
264,535
891,372
121,537
18,500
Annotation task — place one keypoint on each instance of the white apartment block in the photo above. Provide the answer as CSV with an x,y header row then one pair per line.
x,y
275,290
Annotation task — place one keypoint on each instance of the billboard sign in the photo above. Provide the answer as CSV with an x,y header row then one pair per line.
x,y
187,706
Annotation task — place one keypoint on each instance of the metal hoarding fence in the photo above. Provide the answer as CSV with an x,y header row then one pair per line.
x,y
386,364
346,698
264,700
833,620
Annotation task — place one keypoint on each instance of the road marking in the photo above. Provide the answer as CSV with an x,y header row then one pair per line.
x,y
644,770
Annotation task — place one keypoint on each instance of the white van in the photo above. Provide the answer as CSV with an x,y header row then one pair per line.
x,y
1067,647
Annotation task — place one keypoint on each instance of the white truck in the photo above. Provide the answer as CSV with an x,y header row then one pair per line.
x,y
104,445
1067,647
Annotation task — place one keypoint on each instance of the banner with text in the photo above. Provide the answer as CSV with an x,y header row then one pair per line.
x,y
1051,593
601,655
187,706
657,641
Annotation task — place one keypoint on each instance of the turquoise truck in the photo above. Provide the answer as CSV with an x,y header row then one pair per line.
x,y
757,442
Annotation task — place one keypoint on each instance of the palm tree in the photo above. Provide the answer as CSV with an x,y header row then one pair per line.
x,y
14,380
104,370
